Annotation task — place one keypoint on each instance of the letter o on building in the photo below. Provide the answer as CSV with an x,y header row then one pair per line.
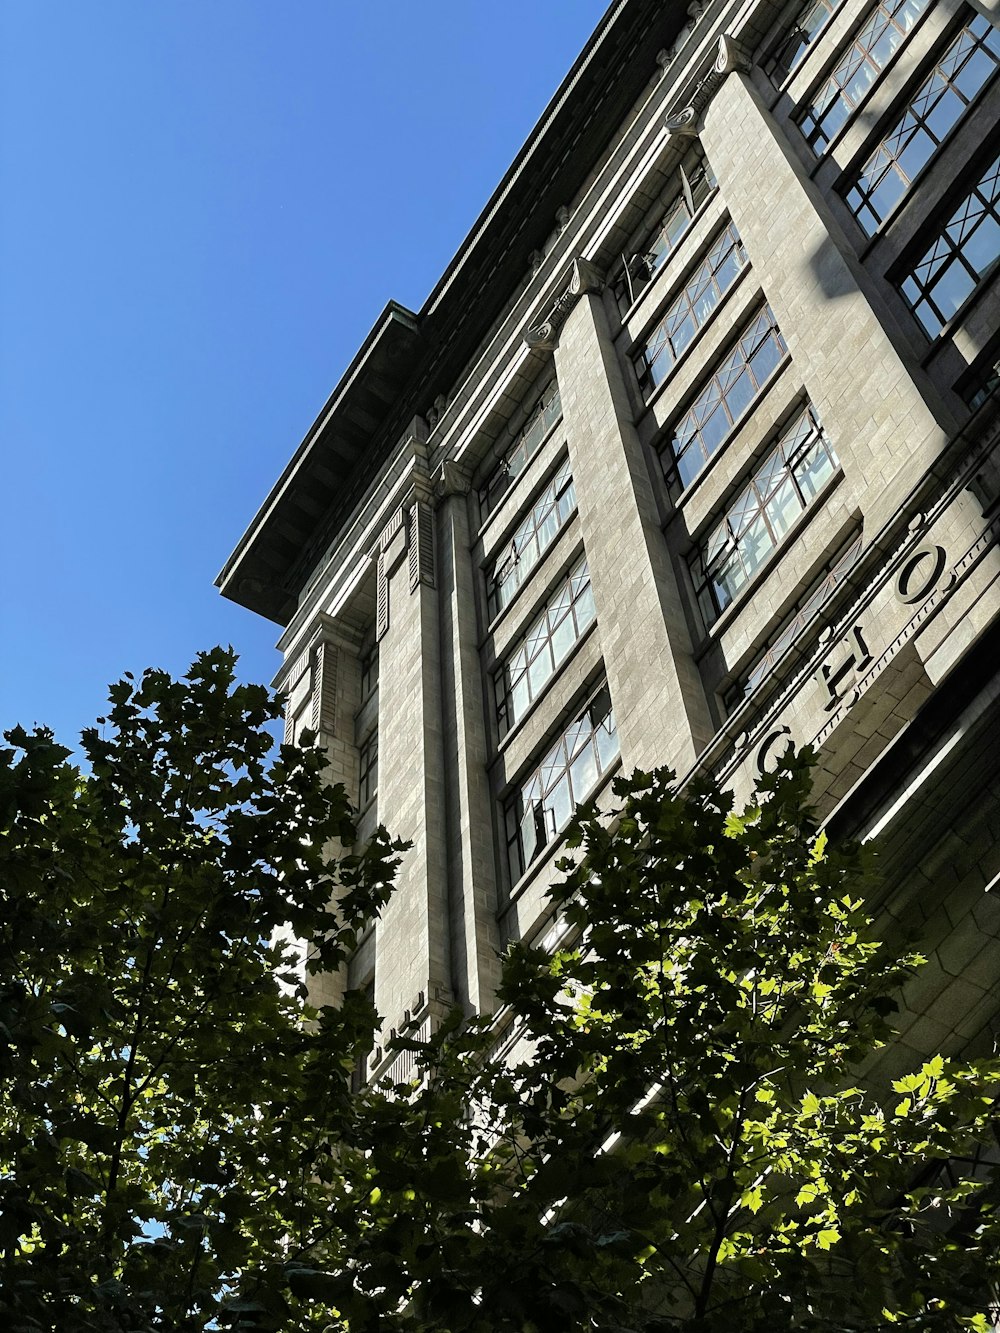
x,y
919,574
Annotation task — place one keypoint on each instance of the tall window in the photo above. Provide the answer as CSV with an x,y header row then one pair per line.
x,y
368,782
534,535
369,673
964,251
567,775
727,396
542,418
969,61
535,660
885,29
714,275
805,611
809,22
788,482
690,188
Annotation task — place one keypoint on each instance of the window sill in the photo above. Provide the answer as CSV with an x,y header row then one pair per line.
x,y
739,602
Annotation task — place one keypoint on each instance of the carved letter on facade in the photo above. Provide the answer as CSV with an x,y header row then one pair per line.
x,y
919,574
837,676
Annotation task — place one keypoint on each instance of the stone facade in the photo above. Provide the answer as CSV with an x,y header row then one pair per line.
x,y
674,467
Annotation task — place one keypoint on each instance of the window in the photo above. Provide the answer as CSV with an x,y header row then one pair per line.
x,y
368,782
969,61
534,535
824,588
727,396
961,255
567,775
982,385
542,418
789,480
714,276
810,21
533,663
690,188
369,673
867,54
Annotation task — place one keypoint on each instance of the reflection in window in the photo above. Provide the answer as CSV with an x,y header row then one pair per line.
x,y
543,417
810,21
368,781
690,188
535,660
726,398
961,255
870,50
967,64
534,535
821,591
717,272
566,776
791,477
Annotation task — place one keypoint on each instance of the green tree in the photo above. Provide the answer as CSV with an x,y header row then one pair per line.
x,y
168,1096
664,1127
681,1139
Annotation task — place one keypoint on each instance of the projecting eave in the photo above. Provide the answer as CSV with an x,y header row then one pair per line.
x,y
258,573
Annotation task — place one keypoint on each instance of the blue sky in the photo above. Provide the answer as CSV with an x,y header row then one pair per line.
x,y
205,204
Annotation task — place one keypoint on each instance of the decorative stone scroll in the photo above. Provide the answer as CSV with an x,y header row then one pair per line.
x,y
732,57
584,277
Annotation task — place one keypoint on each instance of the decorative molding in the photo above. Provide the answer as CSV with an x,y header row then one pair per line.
x,y
583,277
452,478
421,546
731,58
381,599
324,700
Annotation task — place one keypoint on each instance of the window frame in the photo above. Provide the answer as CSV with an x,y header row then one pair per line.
x,y
810,112
772,62
368,770
797,621
544,629
540,421
754,509
916,123
672,458
916,292
690,187
508,556
521,813
713,260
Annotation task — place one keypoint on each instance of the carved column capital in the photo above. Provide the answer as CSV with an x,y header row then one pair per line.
x,y
732,56
583,276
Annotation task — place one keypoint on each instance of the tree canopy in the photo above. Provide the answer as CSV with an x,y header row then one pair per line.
x,y
673,1121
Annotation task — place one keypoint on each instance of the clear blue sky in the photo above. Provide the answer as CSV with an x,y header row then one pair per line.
x,y
204,204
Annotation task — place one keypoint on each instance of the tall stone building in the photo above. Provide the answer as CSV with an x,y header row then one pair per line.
x,y
690,453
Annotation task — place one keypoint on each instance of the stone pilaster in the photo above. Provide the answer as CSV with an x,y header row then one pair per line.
x,y
659,701
882,428
471,862
413,952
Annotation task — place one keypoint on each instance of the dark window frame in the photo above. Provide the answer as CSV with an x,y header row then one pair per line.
x,y
688,312
368,769
686,439
797,468
532,663
945,92
780,70
541,420
541,805
509,569
866,49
